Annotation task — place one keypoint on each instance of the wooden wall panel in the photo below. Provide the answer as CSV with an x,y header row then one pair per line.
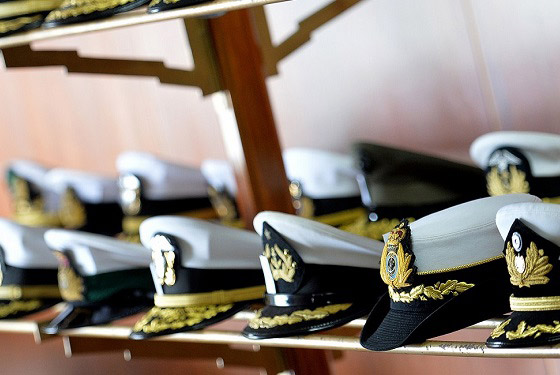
x,y
396,72
521,46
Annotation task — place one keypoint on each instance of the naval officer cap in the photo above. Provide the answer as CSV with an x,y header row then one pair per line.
x,y
34,202
520,162
317,276
150,186
28,271
88,201
72,11
203,273
444,272
22,15
397,183
222,189
323,185
101,278
531,232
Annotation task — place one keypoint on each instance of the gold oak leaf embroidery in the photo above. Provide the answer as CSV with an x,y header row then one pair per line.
x,y
402,260
264,322
499,330
281,263
506,182
72,213
437,291
524,330
536,266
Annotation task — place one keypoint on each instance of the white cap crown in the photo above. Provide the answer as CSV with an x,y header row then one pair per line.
x,y
162,179
542,150
322,174
543,218
94,254
24,247
319,243
206,245
89,187
461,235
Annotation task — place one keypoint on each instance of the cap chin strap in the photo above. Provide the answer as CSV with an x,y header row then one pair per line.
x,y
288,300
218,297
15,292
549,303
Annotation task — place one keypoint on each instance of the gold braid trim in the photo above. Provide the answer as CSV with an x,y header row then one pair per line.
x,y
523,330
555,200
156,2
264,322
18,23
210,298
19,306
375,230
23,7
549,303
159,319
15,292
75,8
423,293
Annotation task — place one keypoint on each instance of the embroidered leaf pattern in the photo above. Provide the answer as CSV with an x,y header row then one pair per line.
x,y
524,330
499,330
264,322
436,292
506,182
281,263
536,266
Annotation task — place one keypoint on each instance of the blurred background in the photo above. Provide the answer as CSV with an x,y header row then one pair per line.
x,y
426,75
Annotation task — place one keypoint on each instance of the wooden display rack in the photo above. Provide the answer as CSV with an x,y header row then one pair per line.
x,y
233,54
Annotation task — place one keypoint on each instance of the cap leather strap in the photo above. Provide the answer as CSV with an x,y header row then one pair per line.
x,y
14,292
212,298
549,303
288,300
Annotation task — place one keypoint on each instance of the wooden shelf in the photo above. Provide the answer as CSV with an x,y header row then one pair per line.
x,y
345,338
136,17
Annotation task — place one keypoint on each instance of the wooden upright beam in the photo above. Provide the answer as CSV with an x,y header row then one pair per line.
x,y
253,144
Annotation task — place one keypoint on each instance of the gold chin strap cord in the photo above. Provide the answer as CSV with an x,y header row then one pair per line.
x,y
549,303
17,8
217,297
14,292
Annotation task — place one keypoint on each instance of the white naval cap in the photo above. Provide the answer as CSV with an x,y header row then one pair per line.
x,y
25,247
322,174
94,253
205,245
162,179
36,173
542,218
460,235
318,243
29,171
542,150
220,175
89,187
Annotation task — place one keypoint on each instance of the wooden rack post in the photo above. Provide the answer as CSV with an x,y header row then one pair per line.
x,y
262,183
